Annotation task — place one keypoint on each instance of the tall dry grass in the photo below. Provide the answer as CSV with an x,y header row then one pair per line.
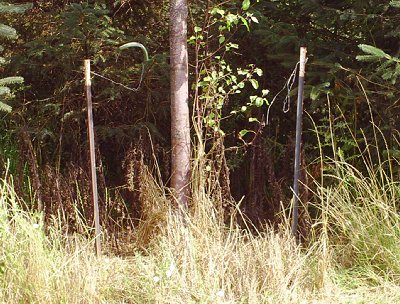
x,y
190,259
199,257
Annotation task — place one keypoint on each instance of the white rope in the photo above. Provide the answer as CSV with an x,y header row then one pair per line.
x,y
288,85
121,84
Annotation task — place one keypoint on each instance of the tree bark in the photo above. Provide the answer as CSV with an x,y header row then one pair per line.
x,y
180,128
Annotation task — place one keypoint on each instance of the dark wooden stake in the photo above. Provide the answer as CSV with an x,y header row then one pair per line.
x,y
88,86
299,122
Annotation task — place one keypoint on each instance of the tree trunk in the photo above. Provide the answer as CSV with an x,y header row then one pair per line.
x,y
180,128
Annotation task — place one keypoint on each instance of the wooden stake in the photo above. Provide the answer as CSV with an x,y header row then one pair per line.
x,y
299,122
88,86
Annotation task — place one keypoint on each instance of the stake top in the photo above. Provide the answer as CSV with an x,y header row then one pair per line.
x,y
87,73
303,59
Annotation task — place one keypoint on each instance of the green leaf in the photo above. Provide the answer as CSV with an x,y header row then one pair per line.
x,y
231,19
244,132
254,19
369,49
259,102
192,40
254,83
265,92
245,5
245,23
253,119
231,45
221,39
217,10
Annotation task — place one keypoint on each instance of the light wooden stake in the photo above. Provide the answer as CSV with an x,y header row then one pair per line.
x,y
88,86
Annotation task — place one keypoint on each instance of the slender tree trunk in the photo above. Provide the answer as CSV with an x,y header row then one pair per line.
x,y
180,128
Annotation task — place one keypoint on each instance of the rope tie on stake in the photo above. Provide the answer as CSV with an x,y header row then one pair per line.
x,y
288,86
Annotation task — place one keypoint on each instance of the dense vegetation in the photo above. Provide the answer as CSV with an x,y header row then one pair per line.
x,y
241,56
45,134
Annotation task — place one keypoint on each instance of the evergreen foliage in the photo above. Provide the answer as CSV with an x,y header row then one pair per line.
x,y
8,32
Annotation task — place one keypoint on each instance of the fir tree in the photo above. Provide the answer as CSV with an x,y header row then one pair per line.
x,y
8,32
